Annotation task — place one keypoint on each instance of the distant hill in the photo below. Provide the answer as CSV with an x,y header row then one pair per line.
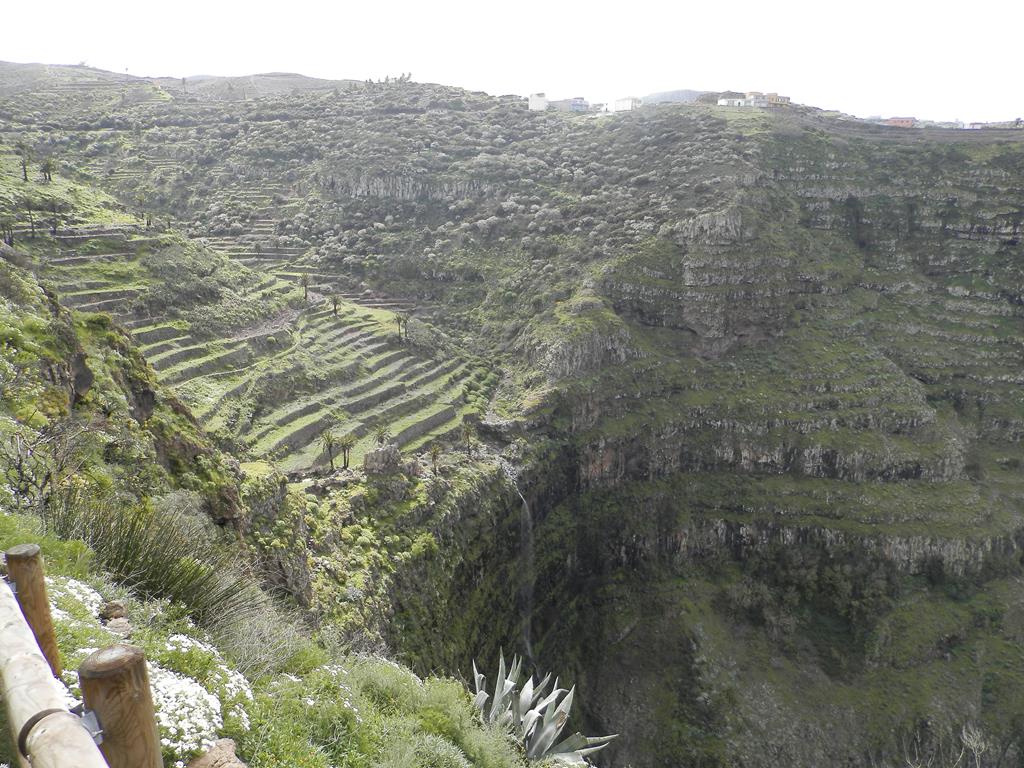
x,y
58,79
684,96
18,78
266,84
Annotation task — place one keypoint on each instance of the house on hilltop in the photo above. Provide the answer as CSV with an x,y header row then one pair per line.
x,y
575,104
901,122
627,104
755,99
539,102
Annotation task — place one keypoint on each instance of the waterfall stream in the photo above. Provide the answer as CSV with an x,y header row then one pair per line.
x,y
527,574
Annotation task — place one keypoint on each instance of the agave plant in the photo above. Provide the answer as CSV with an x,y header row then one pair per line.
x,y
536,719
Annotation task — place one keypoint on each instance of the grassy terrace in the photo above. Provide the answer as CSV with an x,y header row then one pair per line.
x,y
265,366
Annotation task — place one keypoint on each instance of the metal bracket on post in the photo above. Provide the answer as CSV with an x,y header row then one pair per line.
x,y
90,722
31,723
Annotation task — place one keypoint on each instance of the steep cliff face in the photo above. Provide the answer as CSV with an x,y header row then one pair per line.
x,y
76,392
817,457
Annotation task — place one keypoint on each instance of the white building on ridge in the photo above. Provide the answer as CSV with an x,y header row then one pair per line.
x,y
538,102
756,99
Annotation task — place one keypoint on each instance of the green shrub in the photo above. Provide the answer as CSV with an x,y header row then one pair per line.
x,y
392,689
72,558
172,555
435,752
156,555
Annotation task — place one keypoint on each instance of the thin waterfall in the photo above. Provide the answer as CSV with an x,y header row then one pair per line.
x,y
527,575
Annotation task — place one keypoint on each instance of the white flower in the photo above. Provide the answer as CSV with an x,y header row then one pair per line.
x,y
62,586
189,716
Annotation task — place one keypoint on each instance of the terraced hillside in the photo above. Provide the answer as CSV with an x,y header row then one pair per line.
x,y
270,357
760,384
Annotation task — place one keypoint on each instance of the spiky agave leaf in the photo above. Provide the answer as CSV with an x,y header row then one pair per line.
x,y
536,719
555,718
479,681
521,704
504,691
531,720
499,690
516,669
574,749
542,685
550,699
480,684
531,693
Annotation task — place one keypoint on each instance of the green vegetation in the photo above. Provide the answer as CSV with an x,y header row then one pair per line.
x,y
118,485
311,708
756,374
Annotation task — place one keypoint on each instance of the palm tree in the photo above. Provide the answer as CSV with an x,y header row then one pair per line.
x,y
304,282
49,165
345,445
334,304
382,434
30,207
469,438
329,443
25,154
435,457
399,318
57,209
7,229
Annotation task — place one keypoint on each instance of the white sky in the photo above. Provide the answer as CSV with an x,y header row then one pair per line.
x,y
864,57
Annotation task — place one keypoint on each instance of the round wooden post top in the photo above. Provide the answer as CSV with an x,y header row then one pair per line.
x,y
22,552
110,661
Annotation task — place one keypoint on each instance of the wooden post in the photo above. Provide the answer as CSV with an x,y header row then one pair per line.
x,y
36,703
115,685
25,568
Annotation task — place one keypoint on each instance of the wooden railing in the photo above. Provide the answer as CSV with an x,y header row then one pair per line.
x,y
115,727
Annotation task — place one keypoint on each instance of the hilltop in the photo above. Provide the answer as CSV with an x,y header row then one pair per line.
x,y
680,96
756,374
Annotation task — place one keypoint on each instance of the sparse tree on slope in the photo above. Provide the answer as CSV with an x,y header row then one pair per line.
x,y
382,434
329,443
7,229
304,282
25,155
402,321
435,457
469,439
57,212
48,166
345,445
30,207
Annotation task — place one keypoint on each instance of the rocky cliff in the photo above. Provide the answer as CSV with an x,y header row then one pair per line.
x,y
767,367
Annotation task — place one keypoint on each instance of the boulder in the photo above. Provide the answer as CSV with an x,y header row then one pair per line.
x,y
120,626
220,755
113,609
383,461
